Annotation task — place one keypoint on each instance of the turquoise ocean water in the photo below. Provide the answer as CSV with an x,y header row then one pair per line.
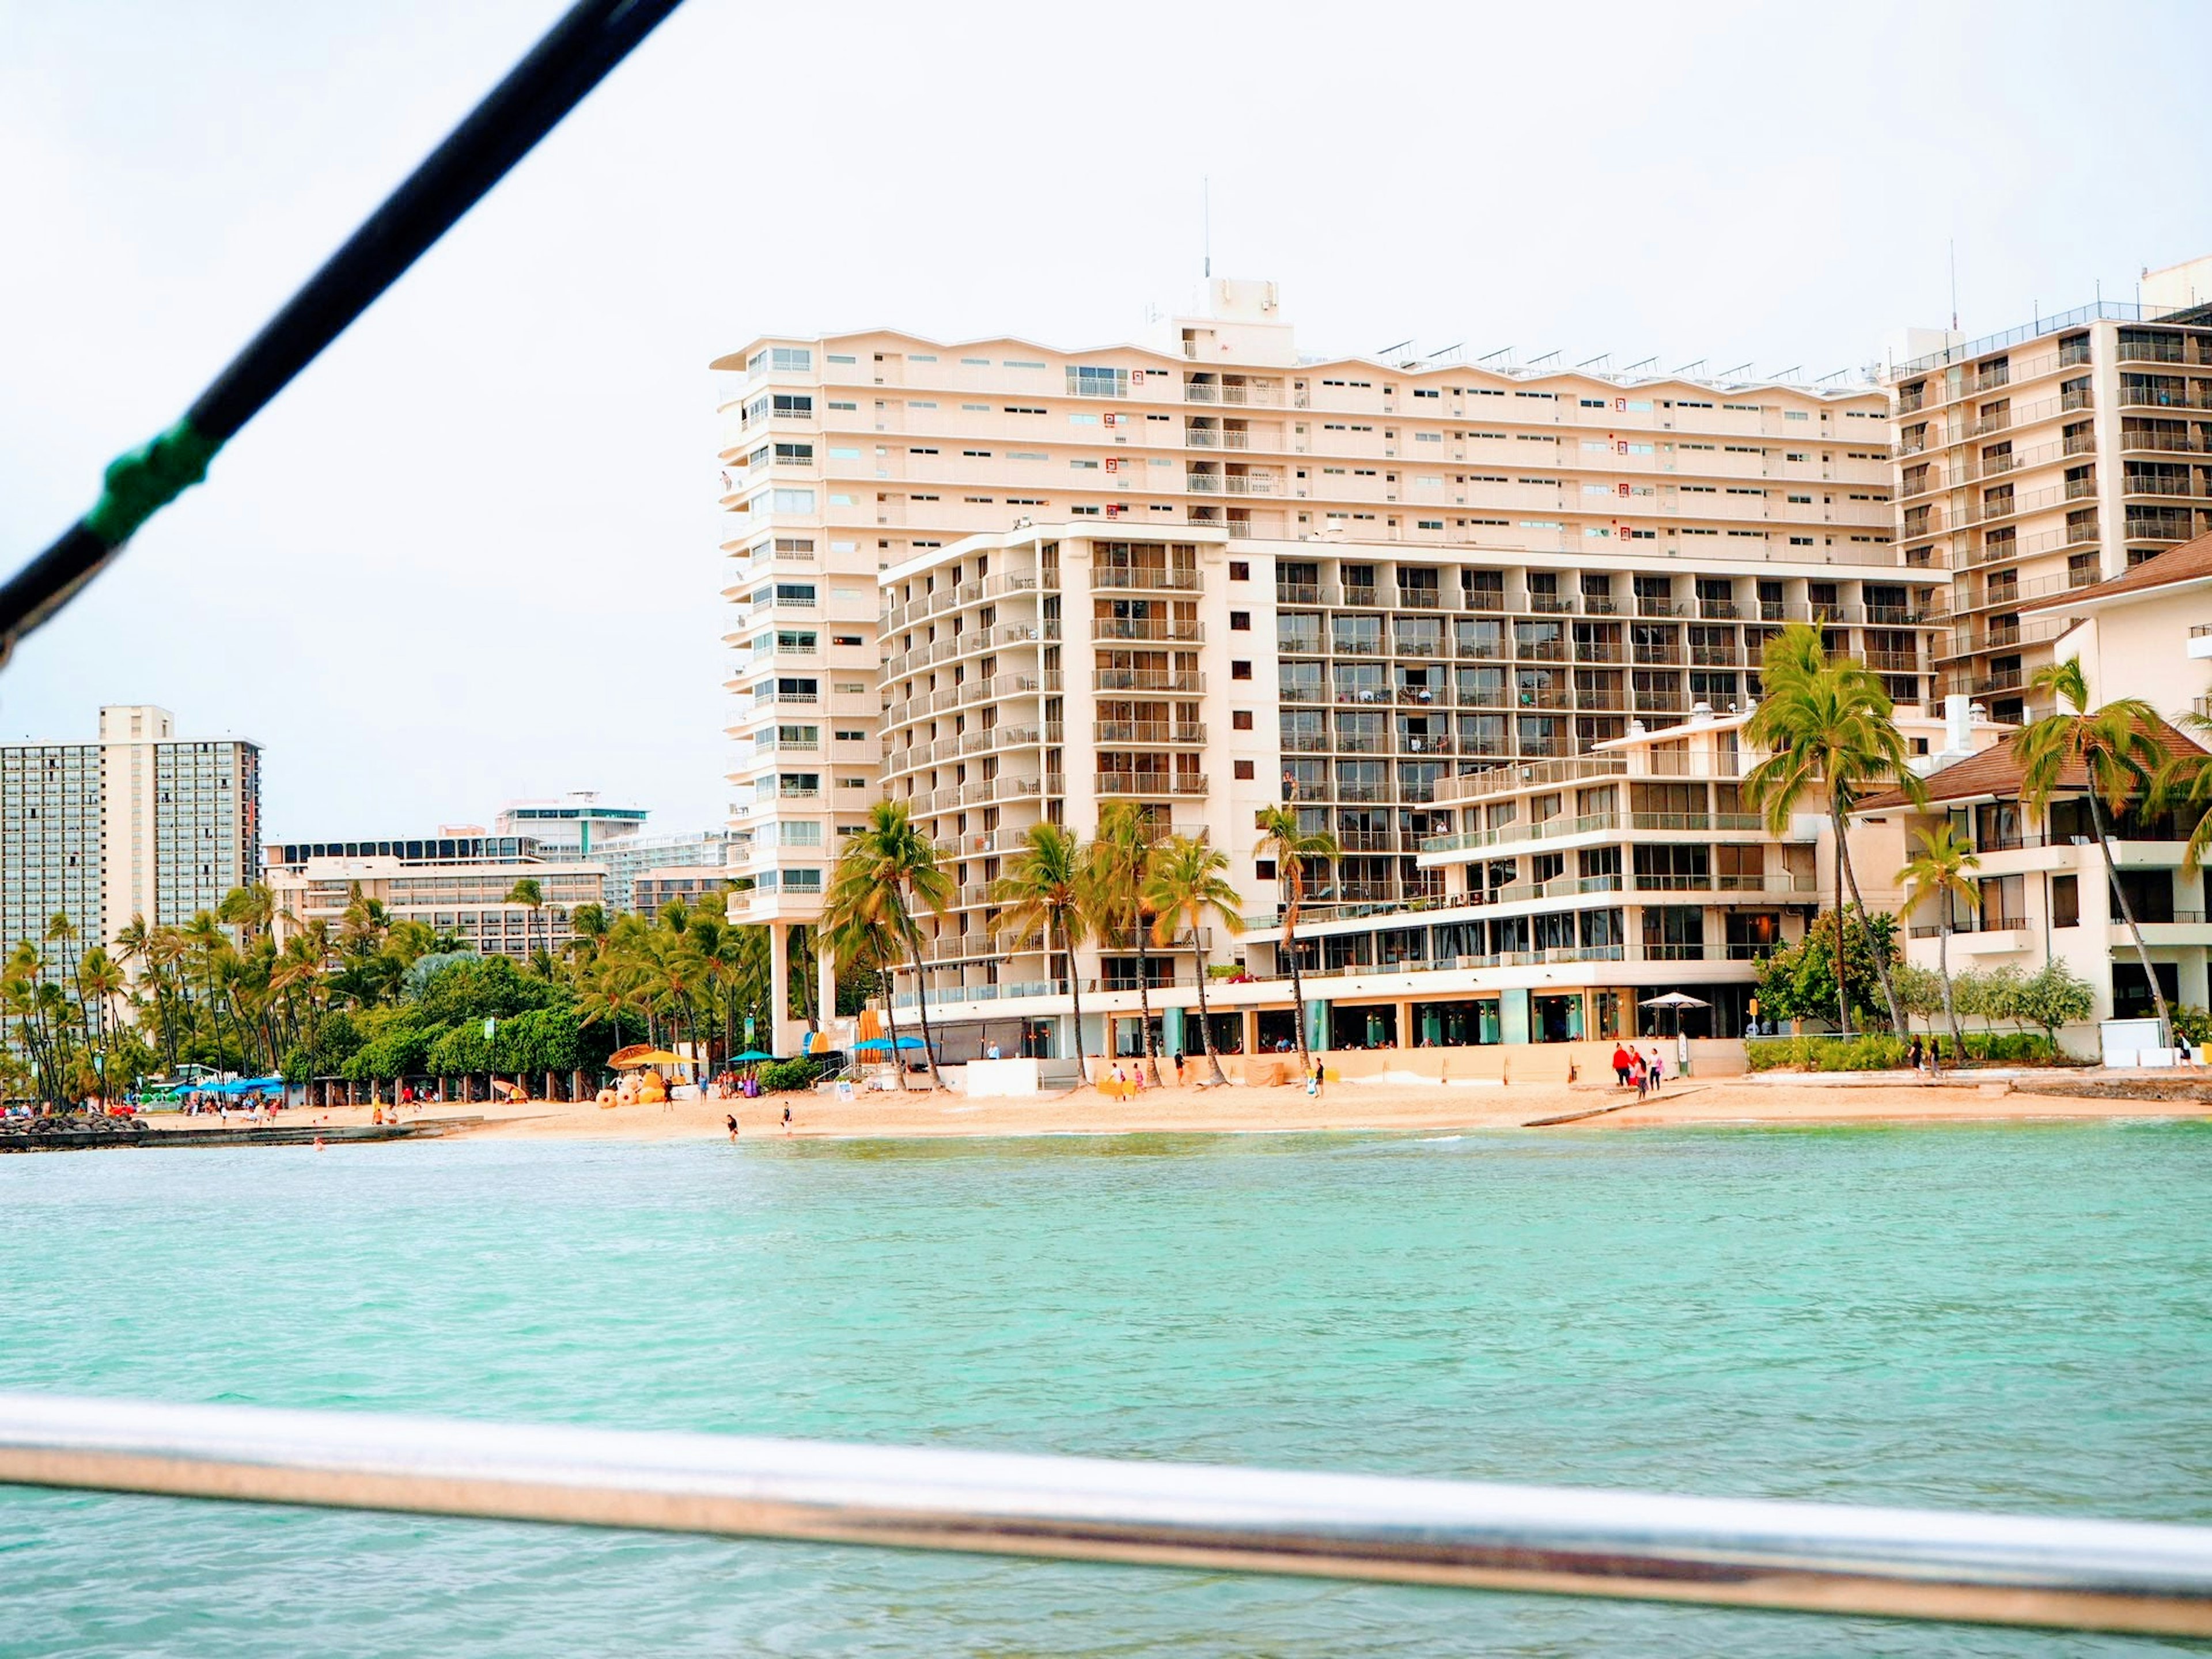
x,y
2015,1318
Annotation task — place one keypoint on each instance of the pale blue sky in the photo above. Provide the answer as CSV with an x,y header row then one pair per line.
x,y
416,577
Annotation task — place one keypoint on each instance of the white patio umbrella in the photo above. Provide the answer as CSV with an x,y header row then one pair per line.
x,y
1677,1000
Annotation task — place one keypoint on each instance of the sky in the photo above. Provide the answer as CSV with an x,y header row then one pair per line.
x,y
469,554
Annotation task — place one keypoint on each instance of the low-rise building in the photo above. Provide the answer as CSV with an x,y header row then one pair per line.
x,y
457,886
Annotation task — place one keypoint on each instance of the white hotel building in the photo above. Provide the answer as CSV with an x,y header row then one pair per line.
x,y
1206,556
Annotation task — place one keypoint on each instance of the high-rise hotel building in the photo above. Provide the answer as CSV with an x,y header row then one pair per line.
x,y
1549,514
2051,457
1481,730
137,822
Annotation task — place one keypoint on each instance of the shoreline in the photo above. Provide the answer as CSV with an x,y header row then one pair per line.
x,y
1342,1108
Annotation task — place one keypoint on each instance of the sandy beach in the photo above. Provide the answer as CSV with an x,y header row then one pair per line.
x,y
1341,1107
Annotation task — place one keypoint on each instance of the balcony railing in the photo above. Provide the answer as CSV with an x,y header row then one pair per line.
x,y
1119,577
1140,783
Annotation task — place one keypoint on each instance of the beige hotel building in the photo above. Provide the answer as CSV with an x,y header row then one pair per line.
x,y
1203,570
2050,457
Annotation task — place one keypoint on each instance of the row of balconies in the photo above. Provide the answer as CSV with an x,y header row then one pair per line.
x,y
895,615
1557,605
918,703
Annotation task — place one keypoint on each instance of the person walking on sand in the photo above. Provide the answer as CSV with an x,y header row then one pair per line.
x,y
1916,1055
1620,1066
1638,1073
1658,1068
1319,1078
787,1119
1178,1068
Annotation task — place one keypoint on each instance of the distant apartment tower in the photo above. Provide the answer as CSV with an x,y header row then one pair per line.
x,y
2053,456
686,867
845,454
137,822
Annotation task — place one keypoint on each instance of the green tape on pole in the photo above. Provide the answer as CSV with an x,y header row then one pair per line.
x,y
142,483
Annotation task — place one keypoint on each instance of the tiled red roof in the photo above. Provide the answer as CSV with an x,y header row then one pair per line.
x,y
1996,771
2190,561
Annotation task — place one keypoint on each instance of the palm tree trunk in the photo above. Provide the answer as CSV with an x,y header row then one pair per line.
x,y
1298,993
921,1004
1874,950
890,1025
1943,969
1145,999
1075,996
1205,1024
1843,989
2134,932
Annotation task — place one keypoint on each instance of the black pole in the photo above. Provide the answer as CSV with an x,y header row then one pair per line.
x,y
574,56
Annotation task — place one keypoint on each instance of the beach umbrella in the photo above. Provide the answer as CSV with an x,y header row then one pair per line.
x,y
629,1058
871,1045
754,1054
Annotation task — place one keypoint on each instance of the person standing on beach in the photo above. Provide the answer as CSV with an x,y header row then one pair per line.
x,y
1638,1073
1319,1078
787,1119
1620,1066
1658,1068
732,1120
1916,1055
1178,1068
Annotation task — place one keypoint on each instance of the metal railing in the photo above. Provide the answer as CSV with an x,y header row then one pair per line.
x,y
2053,1571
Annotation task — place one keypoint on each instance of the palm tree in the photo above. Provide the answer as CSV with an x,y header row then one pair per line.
x,y
1941,870
251,908
1828,726
203,936
62,932
1043,893
1188,885
1285,840
531,896
164,951
1118,868
886,871
2112,748
587,931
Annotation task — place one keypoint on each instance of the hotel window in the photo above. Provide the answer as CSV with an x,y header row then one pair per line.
x,y
790,359
1240,671
2066,900
1240,570
1244,769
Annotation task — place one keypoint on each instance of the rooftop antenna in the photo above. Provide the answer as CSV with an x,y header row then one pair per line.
x,y
1785,374
1391,351
1487,356
1641,362
1550,356
1955,285
1695,362
1602,358
1451,352
1837,375
1730,374
1205,222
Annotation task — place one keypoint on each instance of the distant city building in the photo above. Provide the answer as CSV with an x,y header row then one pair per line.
x,y
457,886
2048,458
700,857
137,822
693,885
578,825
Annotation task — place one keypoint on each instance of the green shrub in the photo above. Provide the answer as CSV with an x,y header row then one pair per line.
x,y
1872,1052
776,1075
